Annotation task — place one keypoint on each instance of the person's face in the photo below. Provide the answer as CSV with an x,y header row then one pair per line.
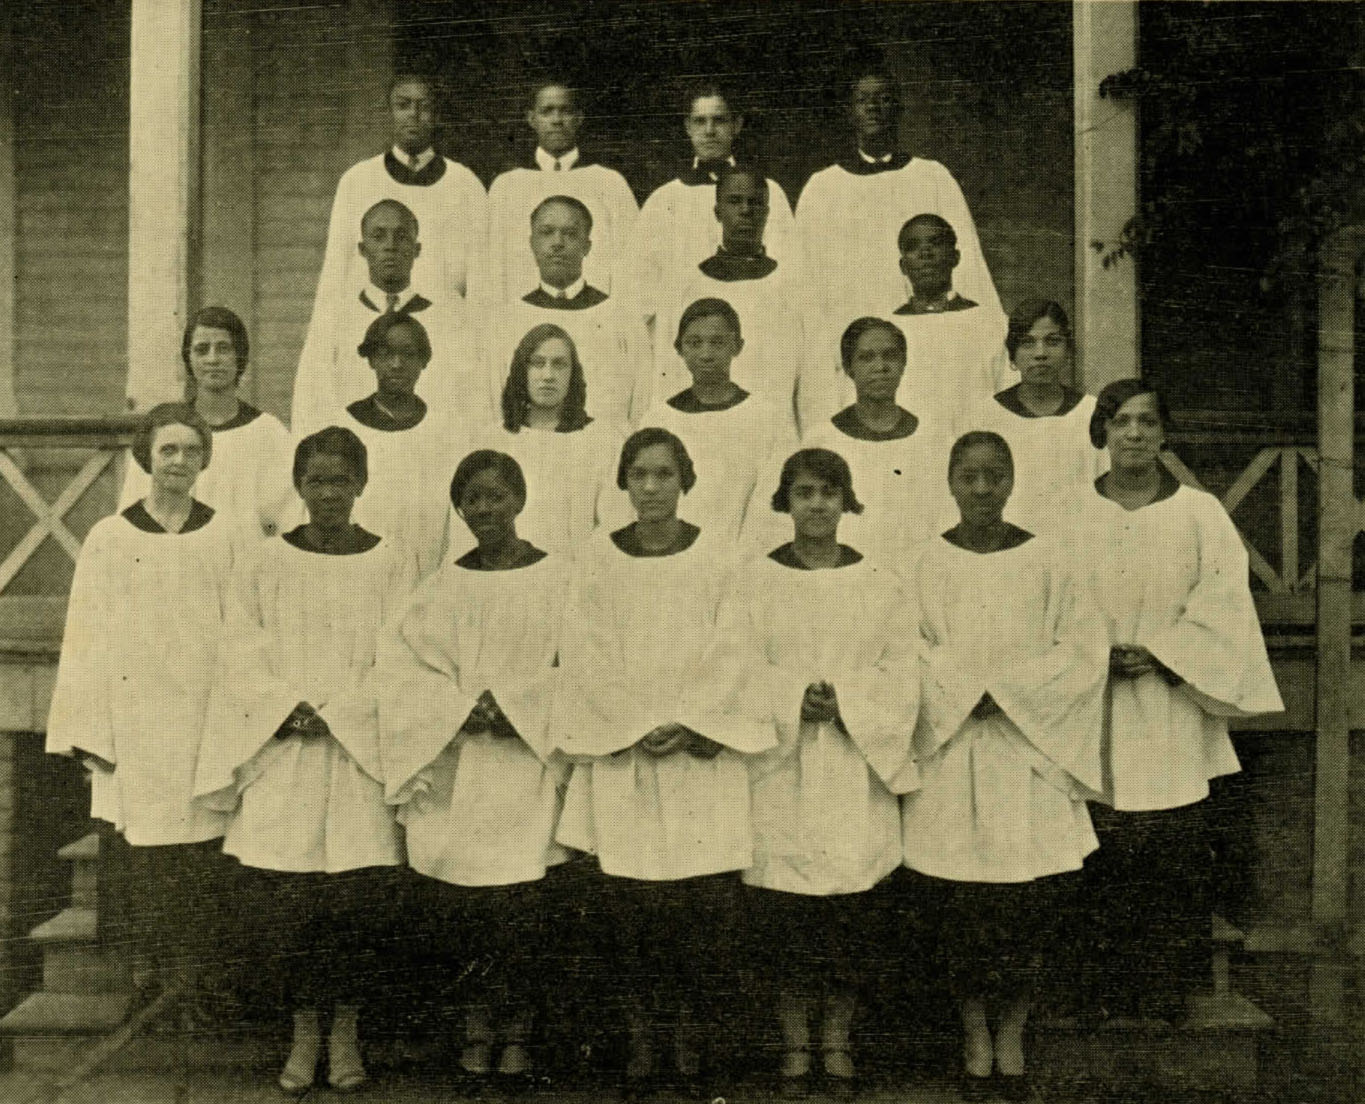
x,y
1042,353
927,257
556,119
177,456
389,245
559,242
707,347
875,104
742,209
548,372
398,361
213,359
654,483
877,365
816,506
489,506
414,115
329,487
713,128
980,483
1134,434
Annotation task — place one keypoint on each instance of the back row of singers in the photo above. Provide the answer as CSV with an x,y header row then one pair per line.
x,y
807,717
474,240
893,443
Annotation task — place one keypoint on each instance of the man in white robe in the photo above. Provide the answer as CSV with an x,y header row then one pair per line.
x,y
558,167
332,374
445,197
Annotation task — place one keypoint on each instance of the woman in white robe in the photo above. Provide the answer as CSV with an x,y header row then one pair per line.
x,y
248,482
656,715
467,678
1045,422
292,748
731,434
839,639
566,456
1008,746
1187,654
897,456
137,663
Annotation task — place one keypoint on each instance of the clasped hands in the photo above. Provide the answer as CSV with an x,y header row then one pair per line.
x,y
304,722
487,717
669,738
1133,661
820,705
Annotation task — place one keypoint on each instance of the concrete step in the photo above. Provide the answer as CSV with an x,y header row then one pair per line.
x,y
71,925
84,856
64,1014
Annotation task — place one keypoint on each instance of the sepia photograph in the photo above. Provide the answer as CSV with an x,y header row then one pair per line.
x,y
667,551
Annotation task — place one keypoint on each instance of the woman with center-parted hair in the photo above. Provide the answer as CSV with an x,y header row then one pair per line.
x,y
567,456
468,676
839,663
138,658
291,748
657,713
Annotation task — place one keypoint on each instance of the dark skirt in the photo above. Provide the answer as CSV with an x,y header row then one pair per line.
x,y
810,943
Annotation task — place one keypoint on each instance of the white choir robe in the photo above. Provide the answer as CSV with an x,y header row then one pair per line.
x,y
332,374
304,628
1055,465
138,659
848,224
407,497
612,345
650,641
826,817
510,268
451,215
478,810
902,484
570,478
249,479
1002,798
771,316
1172,577
677,230
732,451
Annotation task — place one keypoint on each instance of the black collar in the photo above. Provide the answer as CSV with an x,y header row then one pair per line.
x,y
431,172
365,540
858,167
412,306
1009,399
687,403
473,559
1014,537
956,303
731,267
588,297
847,421
786,556
1168,486
137,515
628,540
246,414
706,172
368,412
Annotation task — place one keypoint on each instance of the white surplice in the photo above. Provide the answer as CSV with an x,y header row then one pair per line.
x,y
478,810
1002,798
1055,465
303,628
826,818
648,641
1172,577
138,659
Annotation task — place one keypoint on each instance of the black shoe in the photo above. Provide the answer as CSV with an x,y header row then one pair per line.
x,y
1017,1088
975,1089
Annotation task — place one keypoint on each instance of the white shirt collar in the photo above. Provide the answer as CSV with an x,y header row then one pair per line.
x,y
884,159
381,298
570,292
696,162
547,161
418,163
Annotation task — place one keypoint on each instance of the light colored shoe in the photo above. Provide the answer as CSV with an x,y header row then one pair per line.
x,y
301,1067
345,1070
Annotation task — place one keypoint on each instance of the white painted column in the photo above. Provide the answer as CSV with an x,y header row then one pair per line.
x,y
1106,324
8,196
163,193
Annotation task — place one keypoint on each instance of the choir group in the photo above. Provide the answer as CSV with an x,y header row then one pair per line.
x,y
732,566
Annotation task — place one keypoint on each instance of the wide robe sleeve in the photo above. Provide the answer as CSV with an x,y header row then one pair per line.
x,y
80,717
1215,645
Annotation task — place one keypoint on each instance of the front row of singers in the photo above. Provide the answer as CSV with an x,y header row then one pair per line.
x,y
766,739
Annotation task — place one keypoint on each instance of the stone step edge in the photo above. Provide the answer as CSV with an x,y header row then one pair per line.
x,y
75,924
56,1014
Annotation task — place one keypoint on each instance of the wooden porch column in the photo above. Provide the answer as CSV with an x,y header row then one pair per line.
x,y
1104,41
1337,528
9,405
163,193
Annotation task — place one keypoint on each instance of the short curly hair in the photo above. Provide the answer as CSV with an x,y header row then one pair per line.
x,y
332,441
642,439
1111,399
505,467
217,318
165,414
822,463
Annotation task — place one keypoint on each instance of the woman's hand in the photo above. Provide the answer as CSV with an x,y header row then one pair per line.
x,y
986,707
820,705
701,747
1131,661
664,740
304,722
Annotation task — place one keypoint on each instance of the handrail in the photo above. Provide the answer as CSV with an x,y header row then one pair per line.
x,y
68,432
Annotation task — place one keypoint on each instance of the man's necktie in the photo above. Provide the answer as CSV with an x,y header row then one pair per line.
x,y
391,301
